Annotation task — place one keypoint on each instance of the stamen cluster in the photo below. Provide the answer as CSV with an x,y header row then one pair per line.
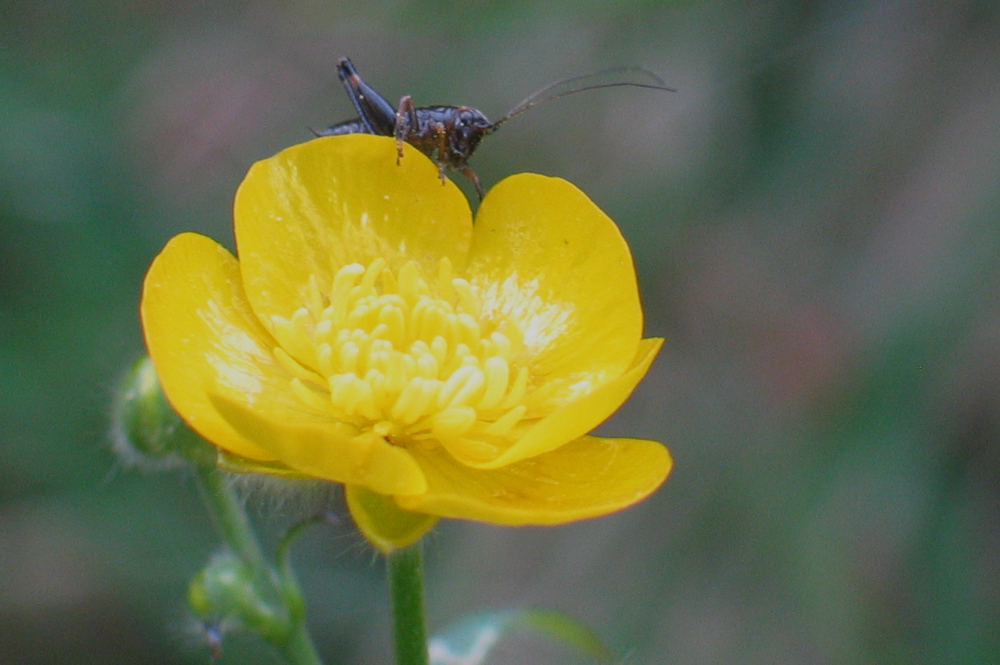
x,y
413,360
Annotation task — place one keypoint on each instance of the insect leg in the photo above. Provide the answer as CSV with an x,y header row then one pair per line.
x,y
374,111
471,175
441,134
406,123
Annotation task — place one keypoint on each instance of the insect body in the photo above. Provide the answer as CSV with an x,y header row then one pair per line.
x,y
450,134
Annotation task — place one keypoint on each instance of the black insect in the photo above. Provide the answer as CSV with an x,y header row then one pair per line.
x,y
450,134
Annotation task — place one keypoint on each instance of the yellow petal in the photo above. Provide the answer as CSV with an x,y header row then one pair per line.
x,y
311,209
546,255
326,449
579,416
217,367
386,525
202,337
589,477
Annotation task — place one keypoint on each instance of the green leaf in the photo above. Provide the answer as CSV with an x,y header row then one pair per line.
x,y
471,640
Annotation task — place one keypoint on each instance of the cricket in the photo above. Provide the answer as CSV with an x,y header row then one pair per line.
x,y
450,134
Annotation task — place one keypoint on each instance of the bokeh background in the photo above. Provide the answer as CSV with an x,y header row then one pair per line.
x,y
815,216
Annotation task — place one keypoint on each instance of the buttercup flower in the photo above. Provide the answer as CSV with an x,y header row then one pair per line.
x,y
370,334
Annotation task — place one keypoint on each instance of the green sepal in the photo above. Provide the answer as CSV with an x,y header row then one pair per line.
x,y
470,640
236,464
231,589
386,526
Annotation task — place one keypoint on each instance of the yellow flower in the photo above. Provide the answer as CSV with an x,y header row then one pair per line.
x,y
371,335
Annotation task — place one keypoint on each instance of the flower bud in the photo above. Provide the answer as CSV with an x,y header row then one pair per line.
x,y
147,432
230,589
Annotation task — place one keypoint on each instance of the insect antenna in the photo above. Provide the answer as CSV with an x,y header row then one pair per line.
x,y
619,77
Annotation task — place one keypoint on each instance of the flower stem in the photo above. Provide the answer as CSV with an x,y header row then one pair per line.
x,y
229,517
234,526
406,589
299,649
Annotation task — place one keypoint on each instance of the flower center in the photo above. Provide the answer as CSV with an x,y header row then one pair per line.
x,y
415,362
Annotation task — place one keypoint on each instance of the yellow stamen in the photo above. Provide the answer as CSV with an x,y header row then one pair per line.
x,y
413,359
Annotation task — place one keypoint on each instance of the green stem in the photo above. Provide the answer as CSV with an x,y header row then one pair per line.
x,y
299,648
406,588
283,552
237,533
229,517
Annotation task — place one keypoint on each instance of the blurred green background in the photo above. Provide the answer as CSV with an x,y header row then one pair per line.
x,y
815,216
